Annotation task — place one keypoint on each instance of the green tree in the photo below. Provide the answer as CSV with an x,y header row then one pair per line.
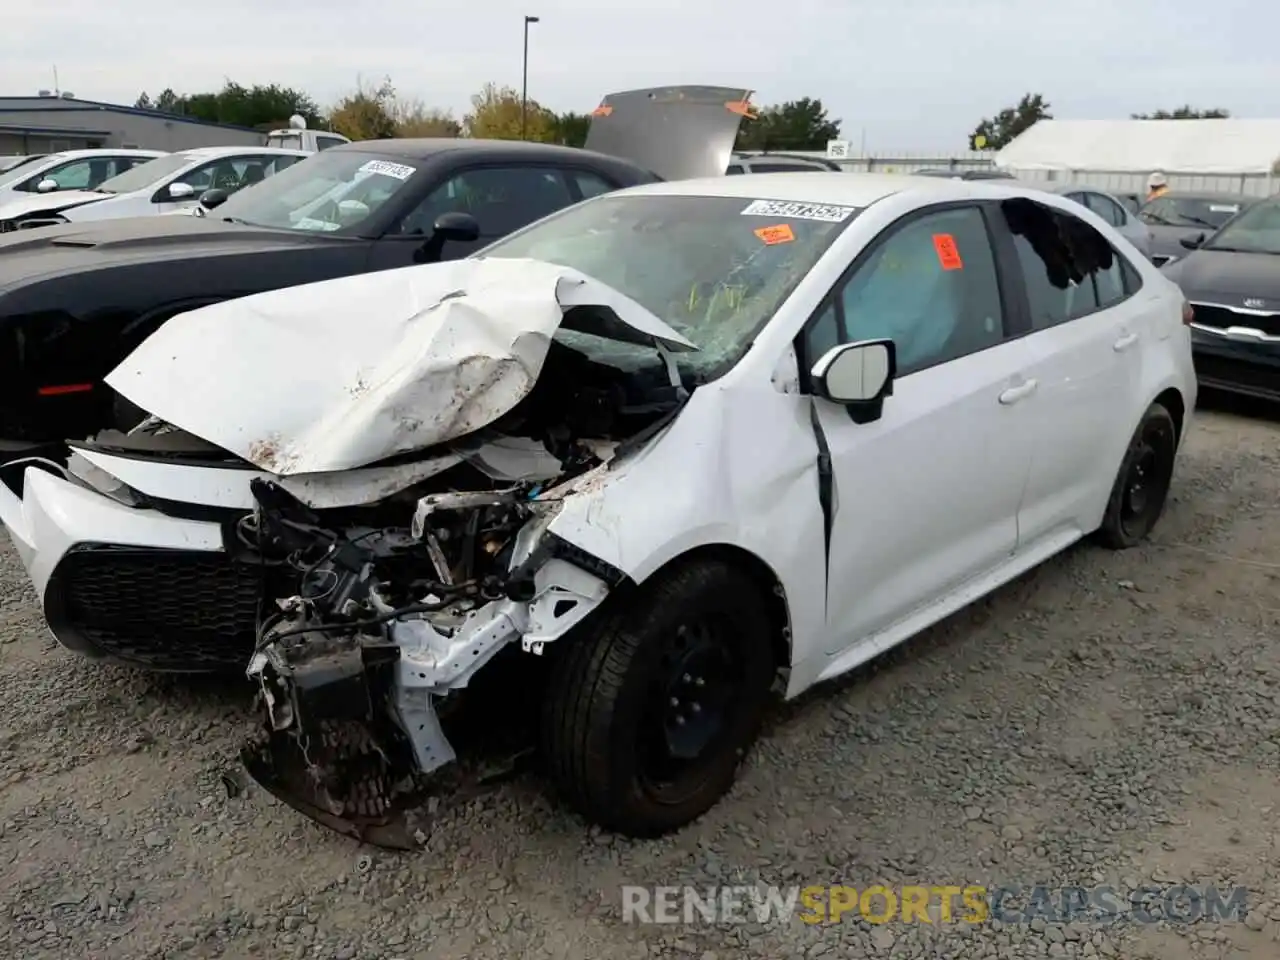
x,y
367,113
571,129
413,118
261,105
170,102
1186,112
496,115
795,125
994,133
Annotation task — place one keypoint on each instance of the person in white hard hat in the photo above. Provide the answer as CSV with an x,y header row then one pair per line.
x,y
1156,185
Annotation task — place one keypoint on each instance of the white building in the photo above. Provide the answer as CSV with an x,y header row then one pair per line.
x,y
1230,155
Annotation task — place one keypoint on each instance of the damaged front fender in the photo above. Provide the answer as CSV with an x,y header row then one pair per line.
x,y
354,686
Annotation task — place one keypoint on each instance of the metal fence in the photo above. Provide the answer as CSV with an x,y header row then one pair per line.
x,y
1254,185
1249,184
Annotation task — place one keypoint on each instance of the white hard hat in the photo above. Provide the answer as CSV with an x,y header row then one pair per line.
x,y
1156,180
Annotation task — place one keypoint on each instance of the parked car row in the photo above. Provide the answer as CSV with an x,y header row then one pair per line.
x,y
104,183
409,409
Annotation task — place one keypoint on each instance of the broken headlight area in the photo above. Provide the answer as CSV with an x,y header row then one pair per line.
x,y
387,629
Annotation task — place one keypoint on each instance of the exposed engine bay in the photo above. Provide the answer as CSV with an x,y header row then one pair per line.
x,y
396,605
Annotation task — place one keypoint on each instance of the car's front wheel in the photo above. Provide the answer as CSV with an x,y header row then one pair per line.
x,y
1142,482
648,715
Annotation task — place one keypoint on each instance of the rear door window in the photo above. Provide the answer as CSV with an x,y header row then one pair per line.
x,y
1064,282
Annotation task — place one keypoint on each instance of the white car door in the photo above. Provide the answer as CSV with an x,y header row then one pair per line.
x,y
1085,341
925,497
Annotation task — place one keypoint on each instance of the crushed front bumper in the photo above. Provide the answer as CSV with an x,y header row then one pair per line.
x,y
352,731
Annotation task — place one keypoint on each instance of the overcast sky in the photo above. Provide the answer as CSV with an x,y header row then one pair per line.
x,y
906,74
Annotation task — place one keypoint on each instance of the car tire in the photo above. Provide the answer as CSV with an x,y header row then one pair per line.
x,y
1142,482
694,643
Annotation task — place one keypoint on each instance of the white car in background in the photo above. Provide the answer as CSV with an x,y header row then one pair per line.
x,y
679,439
13,161
68,170
170,183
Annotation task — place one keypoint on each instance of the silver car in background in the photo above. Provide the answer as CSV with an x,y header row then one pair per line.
x,y
1108,207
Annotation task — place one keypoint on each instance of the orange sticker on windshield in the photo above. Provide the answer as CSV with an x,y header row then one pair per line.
x,y
779,234
948,254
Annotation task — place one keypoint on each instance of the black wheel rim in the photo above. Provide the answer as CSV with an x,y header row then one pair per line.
x,y
1146,482
689,713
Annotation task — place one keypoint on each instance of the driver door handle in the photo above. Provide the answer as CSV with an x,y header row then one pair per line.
x,y
1125,342
1020,392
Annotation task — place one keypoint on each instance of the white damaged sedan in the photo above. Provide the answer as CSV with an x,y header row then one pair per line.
x,y
679,441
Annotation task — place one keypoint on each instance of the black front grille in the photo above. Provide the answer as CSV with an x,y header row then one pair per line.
x,y
174,610
1220,318
1255,379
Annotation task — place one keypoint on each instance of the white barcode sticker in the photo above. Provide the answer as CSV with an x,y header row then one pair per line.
x,y
825,212
398,170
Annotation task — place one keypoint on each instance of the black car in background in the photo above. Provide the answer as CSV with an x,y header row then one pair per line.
x,y
76,299
1232,280
778,163
1180,214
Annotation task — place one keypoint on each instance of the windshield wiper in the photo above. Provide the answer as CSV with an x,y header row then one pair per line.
x,y
1199,222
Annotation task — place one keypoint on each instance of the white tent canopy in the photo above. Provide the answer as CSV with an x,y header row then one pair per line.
x,y
1226,146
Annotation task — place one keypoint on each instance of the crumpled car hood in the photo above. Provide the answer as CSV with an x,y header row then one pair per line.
x,y
343,373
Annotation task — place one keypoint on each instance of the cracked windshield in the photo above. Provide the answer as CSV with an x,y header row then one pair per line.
x,y
713,268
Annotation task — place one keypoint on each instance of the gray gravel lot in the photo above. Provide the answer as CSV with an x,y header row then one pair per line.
x,y
1109,719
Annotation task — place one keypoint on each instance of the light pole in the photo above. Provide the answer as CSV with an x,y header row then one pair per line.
x,y
524,83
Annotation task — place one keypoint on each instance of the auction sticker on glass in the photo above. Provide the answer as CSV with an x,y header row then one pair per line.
x,y
781,233
385,167
948,252
825,212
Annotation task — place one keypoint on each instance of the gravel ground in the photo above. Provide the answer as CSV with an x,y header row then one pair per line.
x,y
1108,719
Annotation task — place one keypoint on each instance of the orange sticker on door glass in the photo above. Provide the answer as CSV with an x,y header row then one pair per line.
x,y
948,254
779,234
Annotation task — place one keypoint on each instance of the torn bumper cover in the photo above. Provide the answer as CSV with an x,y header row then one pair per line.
x,y
353,677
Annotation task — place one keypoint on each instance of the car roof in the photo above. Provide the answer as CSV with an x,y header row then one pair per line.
x,y
214,152
1058,186
819,186
108,152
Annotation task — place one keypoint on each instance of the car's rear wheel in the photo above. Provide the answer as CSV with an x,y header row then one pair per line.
x,y
1142,483
648,715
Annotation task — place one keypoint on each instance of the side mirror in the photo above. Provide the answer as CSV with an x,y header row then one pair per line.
x,y
181,191
858,376
462,227
1192,243
47,185
214,197
457,226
